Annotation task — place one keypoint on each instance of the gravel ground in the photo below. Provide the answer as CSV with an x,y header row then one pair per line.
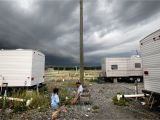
x,y
101,96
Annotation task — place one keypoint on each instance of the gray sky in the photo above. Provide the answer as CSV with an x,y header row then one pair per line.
x,y
111,27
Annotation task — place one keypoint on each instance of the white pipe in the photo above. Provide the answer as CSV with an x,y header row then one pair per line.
x,y
130,96
28,102
16,99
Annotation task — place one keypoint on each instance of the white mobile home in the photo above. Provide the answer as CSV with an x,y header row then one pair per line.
x,y
126,69
150,50
21,68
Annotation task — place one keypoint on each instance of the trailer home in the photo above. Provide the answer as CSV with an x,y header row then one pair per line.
x,y
150,50
21,68
123,69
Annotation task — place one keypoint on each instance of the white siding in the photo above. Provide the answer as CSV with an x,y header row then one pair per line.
x,y
126,67
38,64
132,71
122,67
150,49
16,67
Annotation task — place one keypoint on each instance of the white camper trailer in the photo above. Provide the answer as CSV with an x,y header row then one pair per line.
x,y
122,69
150,50
21,68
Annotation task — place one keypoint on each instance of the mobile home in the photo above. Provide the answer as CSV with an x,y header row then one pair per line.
x,y
123,69
21,68
150,50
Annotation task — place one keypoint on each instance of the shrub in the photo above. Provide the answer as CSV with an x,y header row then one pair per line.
x,y
122,102
18,106
39,100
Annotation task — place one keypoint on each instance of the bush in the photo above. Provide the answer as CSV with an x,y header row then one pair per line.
x,y
14,105
39,100
122,102
4,103
18,106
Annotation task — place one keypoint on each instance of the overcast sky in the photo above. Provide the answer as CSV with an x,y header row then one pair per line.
x,y
111,27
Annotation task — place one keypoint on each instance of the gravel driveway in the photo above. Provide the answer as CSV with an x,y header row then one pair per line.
x,y
102,97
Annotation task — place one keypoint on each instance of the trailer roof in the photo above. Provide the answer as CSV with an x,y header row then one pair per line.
x,y
21,50
149,35
132,56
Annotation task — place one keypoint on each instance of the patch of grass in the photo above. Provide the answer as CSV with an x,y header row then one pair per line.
x,y
122,102
69,84
95,107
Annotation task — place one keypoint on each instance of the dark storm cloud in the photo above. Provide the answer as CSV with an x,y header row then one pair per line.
x,y
132,11
59,60
46,30
111,27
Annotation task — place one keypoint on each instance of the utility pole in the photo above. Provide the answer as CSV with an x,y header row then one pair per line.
x,y
81,44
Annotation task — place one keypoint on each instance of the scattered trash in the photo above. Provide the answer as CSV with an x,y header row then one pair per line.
x,y
29,102
89,109
86,115
67,98
118,96
143,103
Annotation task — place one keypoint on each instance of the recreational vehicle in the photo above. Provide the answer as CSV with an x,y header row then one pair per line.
x,y
121,69
150,50
21,68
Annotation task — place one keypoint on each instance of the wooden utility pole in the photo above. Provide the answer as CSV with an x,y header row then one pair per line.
x,y
81,44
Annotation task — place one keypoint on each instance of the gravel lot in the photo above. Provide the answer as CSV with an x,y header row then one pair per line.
x,y
101,96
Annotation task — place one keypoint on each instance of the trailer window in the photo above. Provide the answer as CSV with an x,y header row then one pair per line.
x,y
114,67
137,65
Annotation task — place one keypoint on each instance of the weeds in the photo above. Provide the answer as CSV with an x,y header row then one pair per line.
x,y
42,100
122,102
94,109
38,100
65,97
